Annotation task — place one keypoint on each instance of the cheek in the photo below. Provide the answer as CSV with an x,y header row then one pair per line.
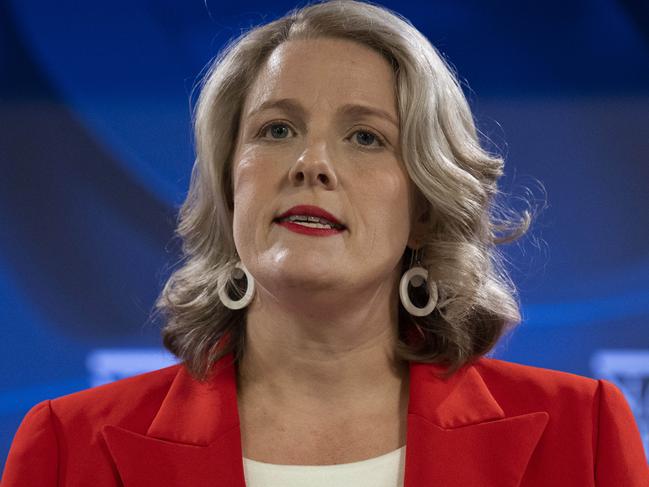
x,y
249,183
390,194
243,171
251,175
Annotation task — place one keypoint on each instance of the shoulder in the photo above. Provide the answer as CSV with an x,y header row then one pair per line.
x,y
133,400
591,417
501,370
67,428
520,386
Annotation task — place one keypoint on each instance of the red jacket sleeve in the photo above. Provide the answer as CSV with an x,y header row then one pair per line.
x,y
619,457
33,456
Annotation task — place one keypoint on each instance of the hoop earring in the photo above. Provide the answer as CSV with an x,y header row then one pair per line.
x,y
418,275
238,273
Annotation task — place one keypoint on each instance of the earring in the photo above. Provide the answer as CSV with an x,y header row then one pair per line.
x,y
416,276
237,273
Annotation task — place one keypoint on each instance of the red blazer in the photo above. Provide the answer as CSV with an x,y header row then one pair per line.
x,y
493,424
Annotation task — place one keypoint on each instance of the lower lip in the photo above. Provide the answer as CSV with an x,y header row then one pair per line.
x,y
319,232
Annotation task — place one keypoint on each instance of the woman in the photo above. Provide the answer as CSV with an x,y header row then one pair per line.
x,y
340,293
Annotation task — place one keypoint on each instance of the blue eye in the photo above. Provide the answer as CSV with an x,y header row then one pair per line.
x,y
273,129
368,137
364,138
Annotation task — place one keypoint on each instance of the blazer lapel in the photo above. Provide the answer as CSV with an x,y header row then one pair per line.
x,y
457,434
194,438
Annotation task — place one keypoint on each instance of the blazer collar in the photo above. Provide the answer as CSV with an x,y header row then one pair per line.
x,y
457,434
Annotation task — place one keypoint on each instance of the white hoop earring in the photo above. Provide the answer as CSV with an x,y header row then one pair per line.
x,y
250,290
418,275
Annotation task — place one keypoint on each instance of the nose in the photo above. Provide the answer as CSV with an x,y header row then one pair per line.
x,y
314,166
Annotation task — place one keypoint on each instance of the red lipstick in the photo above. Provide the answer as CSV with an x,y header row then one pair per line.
x,y
311,210
318,232
311,214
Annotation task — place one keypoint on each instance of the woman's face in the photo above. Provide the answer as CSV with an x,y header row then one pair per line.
x,y
316,149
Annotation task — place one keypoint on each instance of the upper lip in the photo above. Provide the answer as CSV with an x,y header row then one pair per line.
x,y
310,210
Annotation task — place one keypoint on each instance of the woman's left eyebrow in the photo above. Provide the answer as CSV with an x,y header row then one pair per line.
x,y
353,110
349,110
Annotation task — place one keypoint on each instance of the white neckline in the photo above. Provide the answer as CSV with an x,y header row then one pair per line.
x,y
362,463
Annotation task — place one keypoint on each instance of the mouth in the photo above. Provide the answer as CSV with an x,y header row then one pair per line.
x,y
329,225
310,215
306,228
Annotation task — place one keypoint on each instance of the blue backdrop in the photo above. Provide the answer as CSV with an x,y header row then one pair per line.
x,y
95,154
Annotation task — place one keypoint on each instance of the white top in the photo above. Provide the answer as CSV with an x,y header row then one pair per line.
x,y
383,471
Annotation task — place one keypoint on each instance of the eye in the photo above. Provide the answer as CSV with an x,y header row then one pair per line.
x,y
367,137
277,129
280,130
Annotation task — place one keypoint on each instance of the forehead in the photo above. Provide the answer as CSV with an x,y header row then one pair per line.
x,y
334,71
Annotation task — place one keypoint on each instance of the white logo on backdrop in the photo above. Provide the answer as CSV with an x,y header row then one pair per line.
x,y
629,370
108,365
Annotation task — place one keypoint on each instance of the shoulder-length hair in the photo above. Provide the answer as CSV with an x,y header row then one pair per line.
x,y
443,157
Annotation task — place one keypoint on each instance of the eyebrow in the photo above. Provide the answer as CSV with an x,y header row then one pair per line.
x,y
292,106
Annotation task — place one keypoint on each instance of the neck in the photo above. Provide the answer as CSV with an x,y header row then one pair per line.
x,y
300,361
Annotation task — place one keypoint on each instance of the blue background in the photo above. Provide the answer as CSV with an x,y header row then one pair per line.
x,y
95,159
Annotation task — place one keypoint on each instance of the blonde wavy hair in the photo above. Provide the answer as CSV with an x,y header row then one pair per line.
x,y
443,157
